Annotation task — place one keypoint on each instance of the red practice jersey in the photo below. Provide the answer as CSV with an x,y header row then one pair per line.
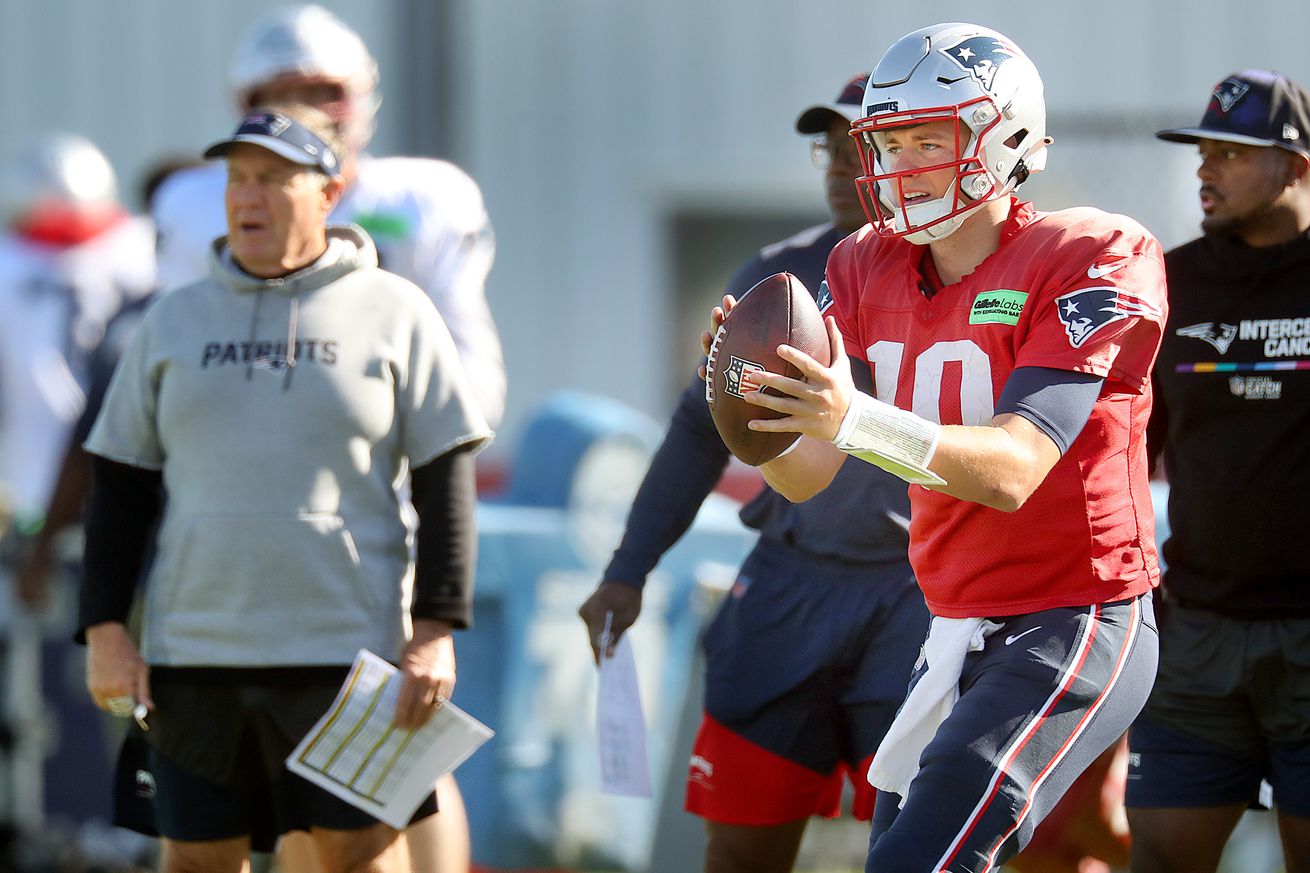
x,y
1078,290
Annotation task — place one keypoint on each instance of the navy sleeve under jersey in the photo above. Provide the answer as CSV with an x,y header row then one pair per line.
x,y
861,517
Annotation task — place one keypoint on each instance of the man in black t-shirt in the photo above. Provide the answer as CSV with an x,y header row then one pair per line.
x,y
1231,704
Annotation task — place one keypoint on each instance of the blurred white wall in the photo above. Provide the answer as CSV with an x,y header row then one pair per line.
x,y
592,124
144,78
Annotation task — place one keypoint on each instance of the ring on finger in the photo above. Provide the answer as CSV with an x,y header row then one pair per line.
x,y
122,705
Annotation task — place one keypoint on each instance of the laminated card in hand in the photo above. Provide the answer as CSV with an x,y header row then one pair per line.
x,y
357,753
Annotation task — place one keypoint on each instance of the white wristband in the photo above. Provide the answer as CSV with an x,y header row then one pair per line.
x,y
896,440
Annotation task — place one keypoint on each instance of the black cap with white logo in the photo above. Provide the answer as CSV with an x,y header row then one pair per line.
x,y
283,136
1253,107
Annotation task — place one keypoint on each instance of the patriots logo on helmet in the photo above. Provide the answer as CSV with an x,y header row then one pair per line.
x,y
1228,92
1220,336
981,57
1087,310
739,380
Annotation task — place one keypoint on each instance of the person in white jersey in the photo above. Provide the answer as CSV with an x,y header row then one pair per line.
x,y
71,257
425,216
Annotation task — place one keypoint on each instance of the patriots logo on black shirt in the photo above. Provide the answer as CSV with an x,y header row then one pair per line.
x,y
1087,310
980,57
1228,92
1221,336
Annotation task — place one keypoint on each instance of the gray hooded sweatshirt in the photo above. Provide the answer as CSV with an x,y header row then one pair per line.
x,y
282,414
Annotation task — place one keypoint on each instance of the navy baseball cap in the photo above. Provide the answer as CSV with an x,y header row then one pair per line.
x,y
848,106
1253,107
283,136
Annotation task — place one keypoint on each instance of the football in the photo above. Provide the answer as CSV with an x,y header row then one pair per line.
x,y
775,311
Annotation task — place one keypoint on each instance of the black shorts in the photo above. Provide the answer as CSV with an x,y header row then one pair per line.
x,y
212,765
1048,693
807,661
1230,707
804,651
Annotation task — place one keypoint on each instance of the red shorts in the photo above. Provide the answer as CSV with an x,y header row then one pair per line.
x,y
734,781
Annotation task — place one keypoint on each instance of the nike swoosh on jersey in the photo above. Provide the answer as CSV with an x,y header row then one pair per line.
x,y
1012,637
1095,272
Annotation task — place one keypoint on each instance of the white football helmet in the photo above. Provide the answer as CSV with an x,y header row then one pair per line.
x,y
57,173
983,83
309,44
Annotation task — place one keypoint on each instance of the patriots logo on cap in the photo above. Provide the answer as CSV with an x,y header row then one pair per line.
x,y
265,122
1087,310
981,57
1228,92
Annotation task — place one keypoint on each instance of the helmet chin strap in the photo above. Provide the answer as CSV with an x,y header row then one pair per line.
x,y
943,229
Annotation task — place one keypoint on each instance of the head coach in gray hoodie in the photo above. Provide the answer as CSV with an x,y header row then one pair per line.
x,y
264,417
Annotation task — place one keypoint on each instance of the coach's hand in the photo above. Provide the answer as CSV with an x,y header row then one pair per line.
x,y
427,670
619,598
114,668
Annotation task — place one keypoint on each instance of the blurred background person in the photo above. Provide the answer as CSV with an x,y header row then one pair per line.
x,y
36,563
426,216
71,259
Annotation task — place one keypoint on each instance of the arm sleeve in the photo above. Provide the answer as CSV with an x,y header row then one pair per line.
x,y
685,469
124,505
683,472
1059,402
445,499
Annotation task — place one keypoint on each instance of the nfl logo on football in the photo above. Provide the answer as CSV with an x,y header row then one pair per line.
x,y
740,378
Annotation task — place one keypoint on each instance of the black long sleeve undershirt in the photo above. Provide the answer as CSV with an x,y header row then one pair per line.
x,y
444,492
121,512
126,501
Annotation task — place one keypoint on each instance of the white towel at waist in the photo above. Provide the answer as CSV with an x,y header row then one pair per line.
x,y
897,760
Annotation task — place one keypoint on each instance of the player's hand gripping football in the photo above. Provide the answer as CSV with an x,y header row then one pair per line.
x,y
815,405
620,601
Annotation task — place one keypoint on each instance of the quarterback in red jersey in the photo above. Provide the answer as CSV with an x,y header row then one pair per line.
x,y
1010,352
